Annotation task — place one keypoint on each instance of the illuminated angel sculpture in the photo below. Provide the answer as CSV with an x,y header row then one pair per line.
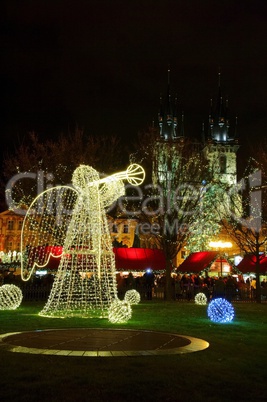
x,y
70,223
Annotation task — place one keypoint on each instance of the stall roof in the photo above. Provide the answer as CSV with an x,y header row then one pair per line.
x,y
247,265
197,262
132,259
139,259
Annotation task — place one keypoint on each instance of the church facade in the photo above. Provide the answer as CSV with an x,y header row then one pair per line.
x,y
218,145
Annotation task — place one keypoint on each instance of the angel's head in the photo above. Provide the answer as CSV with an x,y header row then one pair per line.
x,y
84,175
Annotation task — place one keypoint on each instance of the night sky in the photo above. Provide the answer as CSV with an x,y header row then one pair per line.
x,y
102,65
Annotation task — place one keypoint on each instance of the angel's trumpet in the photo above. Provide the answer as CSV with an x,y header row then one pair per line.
x,y
134,174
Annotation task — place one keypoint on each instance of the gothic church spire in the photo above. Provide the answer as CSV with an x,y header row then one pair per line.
x,y
167,116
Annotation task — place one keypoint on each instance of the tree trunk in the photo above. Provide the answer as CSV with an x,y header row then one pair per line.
x,y
258,285
168,282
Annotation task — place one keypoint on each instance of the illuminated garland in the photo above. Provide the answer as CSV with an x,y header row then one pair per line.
x,y
75,218
220,310
119,312
207,225
201,298
132,296
10,297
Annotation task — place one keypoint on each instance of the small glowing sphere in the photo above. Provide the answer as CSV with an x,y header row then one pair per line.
x,y
201,298
132,296
119,312
10,297
220,310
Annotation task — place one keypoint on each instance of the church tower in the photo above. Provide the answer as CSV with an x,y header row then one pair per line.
x,y
220,146
170,140
167,116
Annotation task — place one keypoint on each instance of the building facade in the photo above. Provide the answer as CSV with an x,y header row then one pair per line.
x,y
10,231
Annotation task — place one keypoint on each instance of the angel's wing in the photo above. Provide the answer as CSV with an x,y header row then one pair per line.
x,y
44,228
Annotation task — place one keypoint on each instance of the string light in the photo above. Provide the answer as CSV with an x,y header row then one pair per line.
x,y
132,296
203,229
73,220
220,310
10,297
119,311
201,298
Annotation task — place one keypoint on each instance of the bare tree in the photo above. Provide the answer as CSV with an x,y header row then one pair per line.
x,y
173,200
245,217
34,164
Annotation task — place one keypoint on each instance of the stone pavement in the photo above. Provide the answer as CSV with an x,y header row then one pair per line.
x,y
100,342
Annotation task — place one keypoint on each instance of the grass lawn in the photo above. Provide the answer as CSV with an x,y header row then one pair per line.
x,y
233,368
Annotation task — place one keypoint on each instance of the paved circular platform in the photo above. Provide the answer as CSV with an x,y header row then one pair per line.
x,y
100,342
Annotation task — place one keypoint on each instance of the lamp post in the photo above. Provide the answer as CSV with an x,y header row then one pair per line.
x,y
220,245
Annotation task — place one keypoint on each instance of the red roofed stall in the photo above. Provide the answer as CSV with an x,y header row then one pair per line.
x,y
139,259
131,259
247,265
197,262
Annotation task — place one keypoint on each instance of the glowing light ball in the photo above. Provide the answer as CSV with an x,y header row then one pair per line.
x,y
220,310
132,296
10,297
201,298
119,311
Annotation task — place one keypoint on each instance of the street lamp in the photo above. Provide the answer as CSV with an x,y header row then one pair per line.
x,y
220,245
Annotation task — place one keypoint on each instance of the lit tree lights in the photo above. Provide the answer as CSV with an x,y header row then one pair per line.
x,y
220,310
178,171
85,283
207,225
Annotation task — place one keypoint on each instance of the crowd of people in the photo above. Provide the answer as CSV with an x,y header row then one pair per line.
x,y
229,287
186,286
152,285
